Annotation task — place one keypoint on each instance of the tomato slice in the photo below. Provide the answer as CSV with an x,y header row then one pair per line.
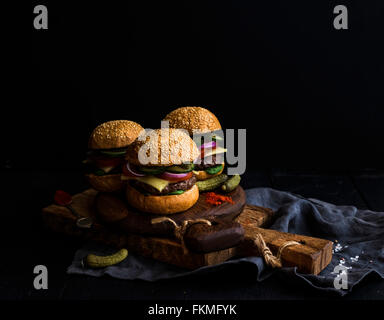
x,y
107,162
202,151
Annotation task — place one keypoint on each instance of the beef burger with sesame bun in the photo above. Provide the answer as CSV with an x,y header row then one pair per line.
x,y
107,146
198,122
159,172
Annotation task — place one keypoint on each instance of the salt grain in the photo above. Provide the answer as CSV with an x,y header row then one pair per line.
x,y
338,248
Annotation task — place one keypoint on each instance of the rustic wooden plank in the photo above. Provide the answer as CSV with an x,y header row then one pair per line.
x,y
59,219
255,216
312,256
115,210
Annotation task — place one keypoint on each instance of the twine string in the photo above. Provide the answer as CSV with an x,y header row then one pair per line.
x,y
269,258
180,230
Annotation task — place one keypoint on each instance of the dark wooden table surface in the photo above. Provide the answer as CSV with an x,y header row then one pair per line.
x,y
25,244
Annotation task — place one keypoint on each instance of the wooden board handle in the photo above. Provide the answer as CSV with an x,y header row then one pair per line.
x,y
311,255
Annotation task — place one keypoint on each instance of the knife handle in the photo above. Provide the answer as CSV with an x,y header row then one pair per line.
x,y
201,238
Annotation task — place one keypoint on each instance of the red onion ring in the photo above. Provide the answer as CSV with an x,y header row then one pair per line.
x,y
173,176
207,145
135,174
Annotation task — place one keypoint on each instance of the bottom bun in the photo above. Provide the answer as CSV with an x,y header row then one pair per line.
x,y
203,175
162,204
107,183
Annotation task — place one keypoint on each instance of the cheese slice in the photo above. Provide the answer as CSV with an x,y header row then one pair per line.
x,y
157,183
218,138
212,152
107,169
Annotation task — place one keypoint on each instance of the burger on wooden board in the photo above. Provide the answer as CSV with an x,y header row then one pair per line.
x,y
199,121
107,147
164,183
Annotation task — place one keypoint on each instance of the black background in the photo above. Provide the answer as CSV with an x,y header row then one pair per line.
x,y
309,95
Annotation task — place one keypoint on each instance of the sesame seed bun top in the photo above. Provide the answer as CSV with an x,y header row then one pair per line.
x,y
162,147
114,134
193,119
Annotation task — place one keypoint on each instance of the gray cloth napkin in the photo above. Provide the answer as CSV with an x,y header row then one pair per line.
x,y
359,249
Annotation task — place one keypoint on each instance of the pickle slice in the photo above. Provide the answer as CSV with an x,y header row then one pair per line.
x,y
211,183
231,184
100,172
184,168
113,153
214,170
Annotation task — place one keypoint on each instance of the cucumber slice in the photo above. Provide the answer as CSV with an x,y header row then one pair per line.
x,y
152,170
176,192
181,169
113,153
99,172
214,170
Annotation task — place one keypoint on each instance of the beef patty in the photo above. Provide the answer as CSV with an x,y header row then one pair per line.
x,y
182,185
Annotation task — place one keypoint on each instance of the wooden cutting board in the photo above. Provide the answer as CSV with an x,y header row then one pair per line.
x,y
60,219
108,208
308,254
